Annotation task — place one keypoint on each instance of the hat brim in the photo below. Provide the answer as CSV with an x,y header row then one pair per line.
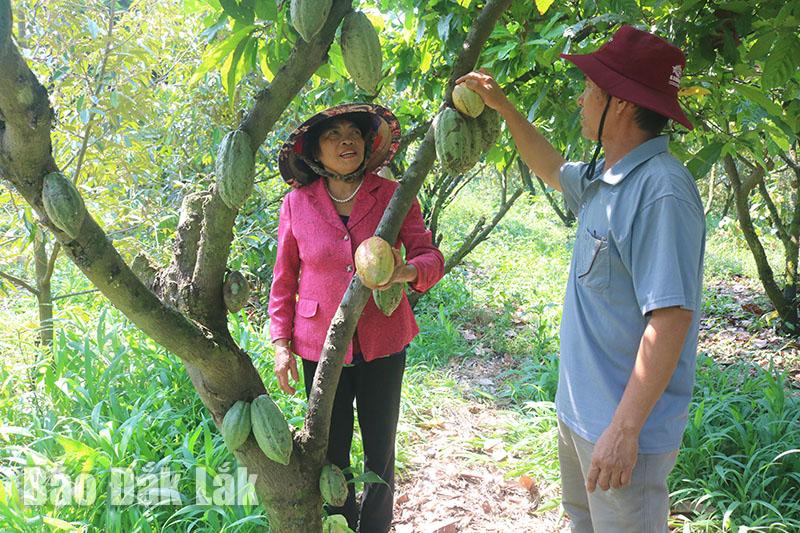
x,y
384,126
627,89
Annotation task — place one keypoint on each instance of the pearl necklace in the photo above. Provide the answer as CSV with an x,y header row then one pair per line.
x,y
344,200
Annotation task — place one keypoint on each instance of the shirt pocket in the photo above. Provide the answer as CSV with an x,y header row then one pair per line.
x,y
307,308
593,265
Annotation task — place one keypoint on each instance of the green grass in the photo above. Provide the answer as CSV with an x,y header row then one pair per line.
x,y
108,397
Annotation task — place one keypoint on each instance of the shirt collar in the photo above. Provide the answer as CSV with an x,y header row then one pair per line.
x,y
634,158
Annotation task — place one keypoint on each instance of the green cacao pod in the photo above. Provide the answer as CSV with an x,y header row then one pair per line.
x,y
235,169
361,51
333,485
374,262
335,523
236,425
488,129
388,300
235,291
456,146
467,101
63,204
271,430
309,16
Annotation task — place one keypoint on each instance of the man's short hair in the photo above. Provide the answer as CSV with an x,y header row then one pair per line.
x,y
650,121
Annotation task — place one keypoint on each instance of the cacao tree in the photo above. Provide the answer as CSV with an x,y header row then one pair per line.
x,y
181,305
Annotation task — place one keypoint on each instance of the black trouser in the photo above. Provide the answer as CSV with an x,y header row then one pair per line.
x,y
375,386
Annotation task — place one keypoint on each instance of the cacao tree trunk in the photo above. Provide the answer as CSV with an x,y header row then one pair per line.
x,y
785,301
44,296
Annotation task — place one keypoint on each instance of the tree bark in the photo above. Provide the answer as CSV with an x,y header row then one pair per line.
x,y
742,188
566,216
44,296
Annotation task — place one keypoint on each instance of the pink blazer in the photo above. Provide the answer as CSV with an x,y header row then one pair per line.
x,y
314,266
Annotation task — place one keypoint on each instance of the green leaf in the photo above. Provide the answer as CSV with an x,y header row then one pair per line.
x,y
262,64
761,48
266,9
703,160
368,477
241,10
759,98
782,63
543,5
215,55
59,524
231,73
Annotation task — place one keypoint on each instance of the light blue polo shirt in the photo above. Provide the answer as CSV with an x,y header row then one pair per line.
x,y
639,247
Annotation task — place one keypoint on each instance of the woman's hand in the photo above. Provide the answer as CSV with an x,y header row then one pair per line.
x,y
284,363
403,272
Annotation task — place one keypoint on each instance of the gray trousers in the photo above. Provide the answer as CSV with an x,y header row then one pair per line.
x,y
641,507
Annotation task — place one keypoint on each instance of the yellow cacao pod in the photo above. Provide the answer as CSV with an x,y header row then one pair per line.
x,y
374,262
467,101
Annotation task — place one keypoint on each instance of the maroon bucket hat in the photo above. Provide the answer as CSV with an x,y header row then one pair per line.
x,y
638,67
383,140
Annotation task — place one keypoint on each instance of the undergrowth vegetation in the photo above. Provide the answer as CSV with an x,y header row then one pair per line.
x,y
108,398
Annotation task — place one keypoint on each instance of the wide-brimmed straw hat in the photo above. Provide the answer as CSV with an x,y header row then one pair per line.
x,y
638,67
381,134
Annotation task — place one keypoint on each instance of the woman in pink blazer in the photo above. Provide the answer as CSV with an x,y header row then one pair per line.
x,y
337,202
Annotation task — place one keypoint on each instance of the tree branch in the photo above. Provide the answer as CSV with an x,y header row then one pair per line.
x,y
25,152
566,217
343,325
51,263
742,193
777,221
19,283
414,134
304,60
480,233
70,295
27,158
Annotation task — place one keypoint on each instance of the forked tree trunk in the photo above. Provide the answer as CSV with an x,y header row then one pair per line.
x,y
783,298
180,305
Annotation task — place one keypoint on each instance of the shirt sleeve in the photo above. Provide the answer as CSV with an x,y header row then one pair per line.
x,y
572,184
667,244
282,294
420,250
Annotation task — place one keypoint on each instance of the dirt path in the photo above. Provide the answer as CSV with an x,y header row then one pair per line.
x,y
453,485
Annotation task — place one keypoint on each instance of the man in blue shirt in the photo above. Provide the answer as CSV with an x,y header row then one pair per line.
x,y
632,304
